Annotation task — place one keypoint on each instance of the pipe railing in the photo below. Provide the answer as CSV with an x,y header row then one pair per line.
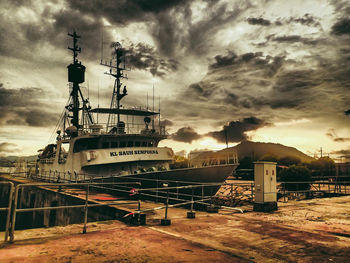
x,y
86,205
8,208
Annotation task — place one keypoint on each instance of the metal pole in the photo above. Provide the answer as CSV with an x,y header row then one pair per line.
x,y
192,201
139,202
177,190
251,190
12,236
9,211
167,203
157,191
86,209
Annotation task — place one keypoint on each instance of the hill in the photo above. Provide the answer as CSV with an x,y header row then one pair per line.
x,y
10,160
256,150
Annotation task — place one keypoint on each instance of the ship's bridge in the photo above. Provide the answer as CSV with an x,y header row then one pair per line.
x,y
131,124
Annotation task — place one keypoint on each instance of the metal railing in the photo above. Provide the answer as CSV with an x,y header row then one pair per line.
x,y
287,189
8,208
85,206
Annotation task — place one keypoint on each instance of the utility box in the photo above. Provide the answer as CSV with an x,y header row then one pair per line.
x,y
265,186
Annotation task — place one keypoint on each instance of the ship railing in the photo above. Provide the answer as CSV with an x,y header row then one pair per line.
x,y
213,160
131,128
47,160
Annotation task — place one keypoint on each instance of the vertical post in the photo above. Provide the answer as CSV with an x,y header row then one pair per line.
x,y
12,236
202,192
252,190
177,190
166,204
86,209
192,201
232,194
9,211
157,191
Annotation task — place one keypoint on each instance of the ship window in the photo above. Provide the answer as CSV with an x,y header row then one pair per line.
x,y
105,145
144,144
122,144
114,144
150,144
137,144
130,143
85,144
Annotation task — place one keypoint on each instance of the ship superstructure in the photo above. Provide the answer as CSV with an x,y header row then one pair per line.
x,y
120,147
127,144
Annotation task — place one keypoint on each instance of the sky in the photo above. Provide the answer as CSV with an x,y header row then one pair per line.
x,y
265,70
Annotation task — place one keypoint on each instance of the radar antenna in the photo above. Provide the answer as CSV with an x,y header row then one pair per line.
x,y
116,71
76,76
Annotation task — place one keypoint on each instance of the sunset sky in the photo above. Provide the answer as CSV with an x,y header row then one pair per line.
x,y
268,71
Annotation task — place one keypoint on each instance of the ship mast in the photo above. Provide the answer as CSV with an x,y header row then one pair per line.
x,y
116,71
76,76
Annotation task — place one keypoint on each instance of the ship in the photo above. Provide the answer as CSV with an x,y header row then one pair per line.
x,y
126,146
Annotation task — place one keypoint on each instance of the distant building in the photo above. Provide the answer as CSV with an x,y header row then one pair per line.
x,y
342,170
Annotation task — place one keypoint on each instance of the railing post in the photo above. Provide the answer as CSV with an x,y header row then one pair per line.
x,y
13,223
329,190
165,221
86,208
166,204
177,190
202,192
251,190
9,208
191,214
192,201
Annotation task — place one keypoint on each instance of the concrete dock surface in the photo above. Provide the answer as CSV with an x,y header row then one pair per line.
x,y
315,230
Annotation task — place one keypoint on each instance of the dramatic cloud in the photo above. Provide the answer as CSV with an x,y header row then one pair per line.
x,y
26,107
307,20
332,135
342,27
186,134
144,57
166,123
235,131
6,147
295,39
342,153
258,21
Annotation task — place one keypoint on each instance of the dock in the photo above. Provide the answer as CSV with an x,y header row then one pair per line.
x,y
314,230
